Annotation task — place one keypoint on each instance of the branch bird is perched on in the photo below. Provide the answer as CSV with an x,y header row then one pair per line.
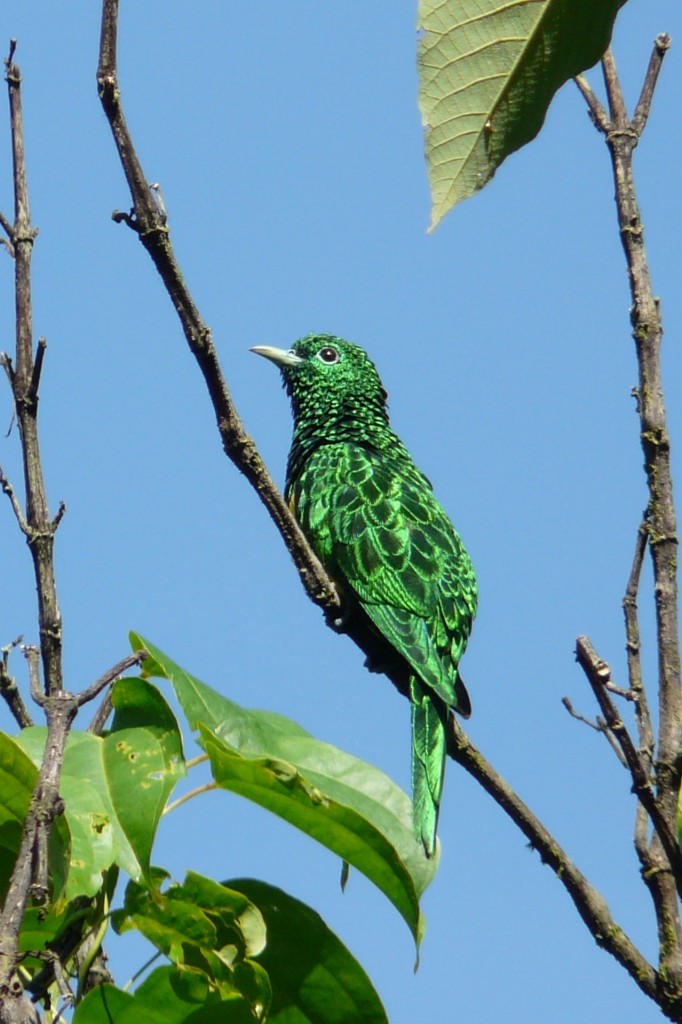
x,y
372,518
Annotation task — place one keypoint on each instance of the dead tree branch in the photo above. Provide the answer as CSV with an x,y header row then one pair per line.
x,y
30,878
598,675
662,761
149,220
9,691
30,874
589,903
37,523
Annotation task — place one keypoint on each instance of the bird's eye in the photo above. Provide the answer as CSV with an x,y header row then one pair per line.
x,y
328,354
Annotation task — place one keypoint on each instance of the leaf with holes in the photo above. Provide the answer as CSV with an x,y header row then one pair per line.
x,y
206,929
18,778
114,789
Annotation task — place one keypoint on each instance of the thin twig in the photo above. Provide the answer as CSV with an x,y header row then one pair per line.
x,y
109,676
599,676
9,691
6,226
105,708
7,489
641,115
614,93
61,512
99,719
55,971
205,788
633,647
33,387
600,726
600,118
642,715
6,363
619,691
32,655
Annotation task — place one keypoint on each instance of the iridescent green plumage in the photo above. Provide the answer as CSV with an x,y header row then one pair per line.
x,y
374,522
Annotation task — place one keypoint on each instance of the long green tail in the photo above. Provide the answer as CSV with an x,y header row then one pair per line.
x,y
428,764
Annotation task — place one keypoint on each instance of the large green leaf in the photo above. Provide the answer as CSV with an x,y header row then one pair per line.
x,y
18,778
104,1005
314,978
97,838
114,789
488,70
208,930
303,798
143,761
347,805
167,996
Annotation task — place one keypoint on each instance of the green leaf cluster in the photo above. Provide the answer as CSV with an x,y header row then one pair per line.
x,y
239,952
235,951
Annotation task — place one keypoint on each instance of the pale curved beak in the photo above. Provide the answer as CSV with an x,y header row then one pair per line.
x,y
279,356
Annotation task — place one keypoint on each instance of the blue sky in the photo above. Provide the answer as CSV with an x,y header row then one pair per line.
x,y
287,142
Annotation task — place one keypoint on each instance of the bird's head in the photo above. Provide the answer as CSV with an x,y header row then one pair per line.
x,y
327,376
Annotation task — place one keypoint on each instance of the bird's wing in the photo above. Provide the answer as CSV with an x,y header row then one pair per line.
x,y
379,525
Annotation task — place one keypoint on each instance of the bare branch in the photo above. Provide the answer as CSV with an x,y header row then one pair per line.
x,y
126,218
633,647
9,691
24,381
614,93
99,719
589,903
14,502
61,512
105,708
32,655
658,856
6,226
6,364
150,221
661,524
600,726
32,394
29,877
619,691
599,677
618,118
10,56
109,676
641,115
599,117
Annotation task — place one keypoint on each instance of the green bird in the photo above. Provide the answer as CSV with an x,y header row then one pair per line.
x,y
371,516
